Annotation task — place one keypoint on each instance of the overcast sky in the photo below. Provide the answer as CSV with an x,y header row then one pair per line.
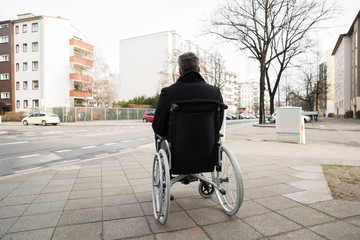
x,y
106,22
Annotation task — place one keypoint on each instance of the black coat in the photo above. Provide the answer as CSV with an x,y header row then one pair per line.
x,y
189,86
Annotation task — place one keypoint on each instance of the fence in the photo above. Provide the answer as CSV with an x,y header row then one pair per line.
x,y
74,114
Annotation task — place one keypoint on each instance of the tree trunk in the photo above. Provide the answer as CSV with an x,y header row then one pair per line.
x,y
262,92
272,105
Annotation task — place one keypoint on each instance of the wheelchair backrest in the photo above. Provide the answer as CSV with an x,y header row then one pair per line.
x,y
194,135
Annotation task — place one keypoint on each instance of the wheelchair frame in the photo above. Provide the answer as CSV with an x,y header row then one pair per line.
x,y
162,181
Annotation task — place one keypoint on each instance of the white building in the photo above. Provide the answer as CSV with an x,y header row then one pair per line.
x,y
342,53
330,80
44,60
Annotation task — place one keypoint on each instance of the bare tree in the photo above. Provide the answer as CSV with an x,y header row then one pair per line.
x,y
268,29
170,72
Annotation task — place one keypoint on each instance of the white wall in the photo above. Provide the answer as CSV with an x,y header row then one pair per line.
x,y
330,79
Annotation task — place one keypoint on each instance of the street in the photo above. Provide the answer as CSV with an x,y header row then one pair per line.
x,y
25,148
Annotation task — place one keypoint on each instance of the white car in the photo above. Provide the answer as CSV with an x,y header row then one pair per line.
x,y
272,118
41,118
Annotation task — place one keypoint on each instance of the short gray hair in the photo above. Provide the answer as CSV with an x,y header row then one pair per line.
x,y
188,61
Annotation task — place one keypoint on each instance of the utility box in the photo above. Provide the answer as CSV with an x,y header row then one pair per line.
x,y
290,125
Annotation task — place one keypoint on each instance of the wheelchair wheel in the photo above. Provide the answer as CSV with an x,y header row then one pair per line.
x,y
206,190
232,190
161,186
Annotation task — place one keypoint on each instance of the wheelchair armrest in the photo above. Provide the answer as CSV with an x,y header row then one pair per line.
x,y
221,135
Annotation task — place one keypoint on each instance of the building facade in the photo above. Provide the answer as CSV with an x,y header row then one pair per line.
x,y
7,95
330,80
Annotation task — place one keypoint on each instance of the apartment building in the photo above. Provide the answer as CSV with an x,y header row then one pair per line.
x,y
7,95
50,63
347,54
330,80
249,98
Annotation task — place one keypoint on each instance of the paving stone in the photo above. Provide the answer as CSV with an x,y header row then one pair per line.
x,y
259,192
25,223
337,230
232,230
298,235
57,188
305,216
195,202
5,225
310,175
147,207
42,234
339,208
83,203
80,216
353,220
88,180
309,168
282,188
126,228
25,191
46,207
86,186
188,234
122,211
114,184
88,231
285,178
271,224
61,182
209,215
176,221
49,197
264,181
12,211
277,202
19,200
85,194
309,197
117,191
140,181
144,197
119,199
251,208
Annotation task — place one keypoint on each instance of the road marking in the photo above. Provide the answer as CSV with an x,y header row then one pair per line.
x,y
11,143
139,139
126,141
87,147
62,151
108,144
27,170
29,156
101,155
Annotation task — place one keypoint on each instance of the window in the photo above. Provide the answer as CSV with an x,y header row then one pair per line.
x,y
16,29
25,66
4,25
4,76
25,103
17,103
4,39
4,58
25,85
35,103
17,85
35,46
35,65
25,47
17,67
35,84
5,95
17,48
24,28
34,27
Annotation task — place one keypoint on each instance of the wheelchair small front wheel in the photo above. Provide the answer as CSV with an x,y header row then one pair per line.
x,y
206,190
161,186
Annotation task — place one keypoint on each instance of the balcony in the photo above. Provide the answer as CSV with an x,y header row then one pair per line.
x,y
78,94
82,45
83,78
81,61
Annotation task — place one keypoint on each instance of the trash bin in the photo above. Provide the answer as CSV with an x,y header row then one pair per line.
x,y
290,125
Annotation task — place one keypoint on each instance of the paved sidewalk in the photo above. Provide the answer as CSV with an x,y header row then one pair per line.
x,y
286,195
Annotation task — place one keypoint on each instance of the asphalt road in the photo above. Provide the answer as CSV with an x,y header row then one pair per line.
x,y
26,148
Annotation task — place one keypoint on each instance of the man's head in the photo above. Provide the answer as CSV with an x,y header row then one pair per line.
x,y
188,61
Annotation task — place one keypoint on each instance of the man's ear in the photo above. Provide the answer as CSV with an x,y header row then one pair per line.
x,y
198,69
180,72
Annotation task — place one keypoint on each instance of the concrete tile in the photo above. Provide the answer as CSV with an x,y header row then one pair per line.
x,y
42,234
12,211
122,211
25,191
277,202
310,176
271,224
298,235
319,186
117,191
118,200
144,197
195,202
285,178
86,186
235,230
126,228
259,192
49,197
25,223
305,216
83,203
115,184
60,182
308,197
283,188
337,230
140,181
353,220
57,188
88,180
5,225
80,216
251,208
93,193
87,231
263,181
309,168
45,207
142,188
187,234
209,215
139,175
338,208
147,207
19,200
176,221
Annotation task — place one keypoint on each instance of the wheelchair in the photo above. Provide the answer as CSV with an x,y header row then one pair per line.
x,y
193,150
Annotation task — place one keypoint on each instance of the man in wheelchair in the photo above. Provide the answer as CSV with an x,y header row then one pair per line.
x,y
187,125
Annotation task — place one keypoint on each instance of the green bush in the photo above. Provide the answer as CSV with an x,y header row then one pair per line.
x,y
349,114
13,116
357,114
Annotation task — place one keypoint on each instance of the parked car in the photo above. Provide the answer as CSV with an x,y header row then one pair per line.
x,y
272,118
230,116
148,116
41,118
